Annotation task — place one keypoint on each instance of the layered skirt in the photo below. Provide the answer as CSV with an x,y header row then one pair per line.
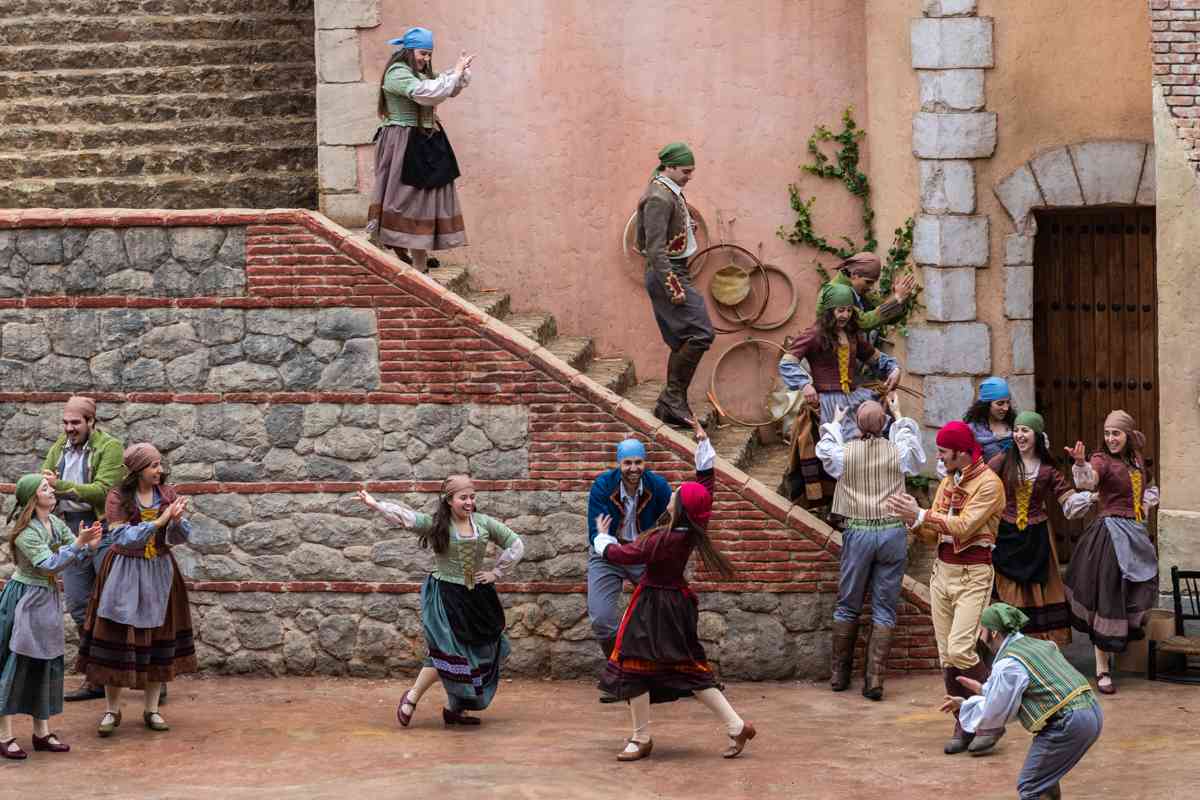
x,y
1112,582
464,632
116,654
657,649
405,216
32,686
1027,576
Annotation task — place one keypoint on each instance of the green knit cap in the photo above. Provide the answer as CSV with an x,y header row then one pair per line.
x,y
1031,419
676,154
834,295
1003,618
27,487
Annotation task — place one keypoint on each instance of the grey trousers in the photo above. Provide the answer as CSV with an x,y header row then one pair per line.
x,y
604,594
1057,748
876,558
80,577
686,322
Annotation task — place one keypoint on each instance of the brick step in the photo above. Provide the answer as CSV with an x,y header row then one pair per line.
x,y
494,304
230,133
122,55
578,351
216,190
156,108
21,31
129,8
221,78
645,394
537,326
288,157
615,374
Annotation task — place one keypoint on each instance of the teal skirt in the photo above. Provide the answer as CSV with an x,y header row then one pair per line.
x,y
466,642
32,686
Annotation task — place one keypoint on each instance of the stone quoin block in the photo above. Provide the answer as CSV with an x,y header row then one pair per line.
x,y
947,187
951,43
969,135
951,89
1055,173
948,8
951,241
338,168
347,13
949,294
1023,396
946,399
1018,249
1148,187
1109,172
338,57
346,112
1018,292
1021,335
347,209
1019,194
955,348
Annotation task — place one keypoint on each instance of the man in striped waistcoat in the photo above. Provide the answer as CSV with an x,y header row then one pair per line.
x,y
1031,680
875,542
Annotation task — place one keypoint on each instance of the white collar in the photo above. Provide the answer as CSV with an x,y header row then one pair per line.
x,y
670,184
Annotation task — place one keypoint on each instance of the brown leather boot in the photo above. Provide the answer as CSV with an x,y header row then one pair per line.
x,y
845,634
672,406
960,739
877,655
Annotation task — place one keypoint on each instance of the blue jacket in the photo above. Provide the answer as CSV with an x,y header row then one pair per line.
x,y
605,498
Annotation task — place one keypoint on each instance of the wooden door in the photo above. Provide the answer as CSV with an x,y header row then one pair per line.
x,y
1095,331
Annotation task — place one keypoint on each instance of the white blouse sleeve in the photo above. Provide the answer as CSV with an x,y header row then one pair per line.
x,y
1085,477
510,556
832,450
432,91
463,82
1077,504
905,435
1150,497
1000,699
705,455
397,514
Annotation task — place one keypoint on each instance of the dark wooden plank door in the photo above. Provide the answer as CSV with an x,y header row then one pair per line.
x,y
1095,330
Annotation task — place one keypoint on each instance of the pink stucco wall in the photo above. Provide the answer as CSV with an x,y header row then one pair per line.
x,y
570,102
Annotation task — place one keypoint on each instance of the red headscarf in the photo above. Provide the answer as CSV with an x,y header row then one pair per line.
x,y
697,502
957,435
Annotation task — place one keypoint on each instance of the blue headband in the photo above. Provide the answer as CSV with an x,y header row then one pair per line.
x,y
414,39
630,448
993,389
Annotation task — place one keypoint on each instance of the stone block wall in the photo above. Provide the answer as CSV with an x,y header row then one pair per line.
x,y
329,367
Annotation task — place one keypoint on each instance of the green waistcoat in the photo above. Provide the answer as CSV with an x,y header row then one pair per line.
x,y
464,557
1053,683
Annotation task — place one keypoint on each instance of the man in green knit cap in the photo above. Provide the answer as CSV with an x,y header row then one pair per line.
x,y
666,235
1033,681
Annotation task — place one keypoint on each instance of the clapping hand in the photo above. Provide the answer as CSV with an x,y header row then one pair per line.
x,y
893,380
904,287
893,403
951,704
1077,453
366,497
698,430
603,523
87,537
839,414
464,61
904,506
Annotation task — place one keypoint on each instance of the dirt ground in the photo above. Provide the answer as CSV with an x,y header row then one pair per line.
x,y
338,738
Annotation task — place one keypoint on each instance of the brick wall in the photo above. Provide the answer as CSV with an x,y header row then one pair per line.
x,y
1175,35
332,367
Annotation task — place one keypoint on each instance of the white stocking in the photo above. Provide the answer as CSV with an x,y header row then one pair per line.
x,y
715,702
639,710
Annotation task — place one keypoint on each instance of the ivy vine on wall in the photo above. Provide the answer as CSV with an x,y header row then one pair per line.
x,y
844,168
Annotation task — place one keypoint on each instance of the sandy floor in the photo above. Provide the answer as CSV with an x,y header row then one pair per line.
x,y
338,738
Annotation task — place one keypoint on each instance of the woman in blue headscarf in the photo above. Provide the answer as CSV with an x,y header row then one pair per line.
x,y
992,417
414,206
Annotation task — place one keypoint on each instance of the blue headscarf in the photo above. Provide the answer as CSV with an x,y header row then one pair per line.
x,y
414,39
630,448
993,389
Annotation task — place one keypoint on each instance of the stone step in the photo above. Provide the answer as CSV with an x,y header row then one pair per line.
x,y
734,443
577,351
161,160
21,31
219,78
129,8
157,108
645,394
454,277
217,190
768,464
493,303
232,133
615,374
123,55
536,325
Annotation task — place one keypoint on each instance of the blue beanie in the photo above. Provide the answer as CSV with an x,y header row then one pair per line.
x,y
414,39
993,389
630,448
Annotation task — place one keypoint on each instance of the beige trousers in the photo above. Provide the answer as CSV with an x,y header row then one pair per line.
x,y
958,595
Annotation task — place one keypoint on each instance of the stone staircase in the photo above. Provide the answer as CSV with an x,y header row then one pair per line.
x,y
741,447
157,104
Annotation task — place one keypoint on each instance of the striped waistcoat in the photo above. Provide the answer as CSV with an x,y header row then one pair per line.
x,y
1053,683
871,473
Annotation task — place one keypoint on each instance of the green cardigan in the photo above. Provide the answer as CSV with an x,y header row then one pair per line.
x,y
35,544
106,469
463,557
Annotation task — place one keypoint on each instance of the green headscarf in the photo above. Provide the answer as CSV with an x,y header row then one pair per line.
x,y
1003,618
1031,419
676,154
27,487
834,295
